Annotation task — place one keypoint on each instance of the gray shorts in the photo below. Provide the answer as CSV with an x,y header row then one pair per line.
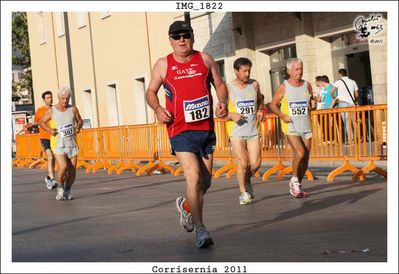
x,y
247,138
68,151
304,135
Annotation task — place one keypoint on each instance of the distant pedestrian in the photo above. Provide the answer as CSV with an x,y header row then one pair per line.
x,y
44,136
347,95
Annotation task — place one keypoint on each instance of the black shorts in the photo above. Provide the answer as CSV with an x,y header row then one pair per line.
x,y
45,144
200,143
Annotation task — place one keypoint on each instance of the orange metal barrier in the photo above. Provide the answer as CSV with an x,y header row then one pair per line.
x,y
117,148
111,144
28,150
139,142
90,148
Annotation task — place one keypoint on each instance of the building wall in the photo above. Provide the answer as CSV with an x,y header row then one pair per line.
x,y
121,48
106,49
43,56
310,33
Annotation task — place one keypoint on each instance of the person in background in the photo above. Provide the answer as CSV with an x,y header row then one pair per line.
x,y
44,136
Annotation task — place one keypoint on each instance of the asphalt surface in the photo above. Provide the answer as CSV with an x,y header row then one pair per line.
x,y
125,218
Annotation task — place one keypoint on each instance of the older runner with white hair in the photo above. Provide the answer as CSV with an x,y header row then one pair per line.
x,y
296,98
65,122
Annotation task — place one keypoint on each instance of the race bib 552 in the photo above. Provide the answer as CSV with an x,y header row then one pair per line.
x,y
298,108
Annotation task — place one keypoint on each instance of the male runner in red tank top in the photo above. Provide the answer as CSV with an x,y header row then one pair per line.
x,y
186,76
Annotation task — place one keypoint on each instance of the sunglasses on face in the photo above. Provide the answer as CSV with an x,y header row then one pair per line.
x,y
176,36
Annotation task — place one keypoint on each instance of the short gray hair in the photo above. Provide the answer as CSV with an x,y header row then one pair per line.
x,y
292,61
64,90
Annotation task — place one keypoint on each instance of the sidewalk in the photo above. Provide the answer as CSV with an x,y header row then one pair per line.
x,y
124,218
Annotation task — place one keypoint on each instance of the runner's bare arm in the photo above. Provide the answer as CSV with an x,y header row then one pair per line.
x,y
37,119
78,119
312,98
157,77
274,104
220,86
259,102
43,122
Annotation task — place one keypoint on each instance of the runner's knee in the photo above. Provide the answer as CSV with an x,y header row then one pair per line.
x,y
299,153
243,162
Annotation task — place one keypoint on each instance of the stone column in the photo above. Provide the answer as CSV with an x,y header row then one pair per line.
x,y
378,63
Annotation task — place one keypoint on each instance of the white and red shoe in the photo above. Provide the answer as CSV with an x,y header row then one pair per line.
x,y
296,189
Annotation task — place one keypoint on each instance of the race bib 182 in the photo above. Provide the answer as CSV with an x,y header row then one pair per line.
x,y
298,108
197,109
66,130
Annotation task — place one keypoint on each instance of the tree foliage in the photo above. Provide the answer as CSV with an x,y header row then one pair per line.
x,y
21,56
20,40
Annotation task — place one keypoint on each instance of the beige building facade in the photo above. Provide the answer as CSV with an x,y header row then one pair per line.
x,y
107,57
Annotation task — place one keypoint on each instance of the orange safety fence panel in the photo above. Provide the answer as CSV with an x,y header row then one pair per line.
x,y
116,148
163,150
223,151
111,148
90,148
22,142
140,145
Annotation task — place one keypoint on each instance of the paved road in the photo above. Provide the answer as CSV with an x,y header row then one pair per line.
x,y
124,218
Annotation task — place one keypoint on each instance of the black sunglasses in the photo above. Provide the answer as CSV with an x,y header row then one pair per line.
x,y
176,36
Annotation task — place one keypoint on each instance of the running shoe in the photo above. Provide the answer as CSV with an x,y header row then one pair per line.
x,y
296,189
203,238
54,183
244,198
49,185
67,194
249,188
186,221
60,194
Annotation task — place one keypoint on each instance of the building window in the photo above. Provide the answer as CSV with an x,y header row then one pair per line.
x,y
113,110
220,66
41,28
141,104
59,20
81,19
104,15
88,108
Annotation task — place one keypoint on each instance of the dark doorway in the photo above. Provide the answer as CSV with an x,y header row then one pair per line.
x,y
360,71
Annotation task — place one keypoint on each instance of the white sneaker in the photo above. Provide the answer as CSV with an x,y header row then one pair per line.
x,y
296,188
244,198
54,183
67,194
186,221
49,185
60,194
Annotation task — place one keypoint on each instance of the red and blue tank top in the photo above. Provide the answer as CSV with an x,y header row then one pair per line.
x,y
188,95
